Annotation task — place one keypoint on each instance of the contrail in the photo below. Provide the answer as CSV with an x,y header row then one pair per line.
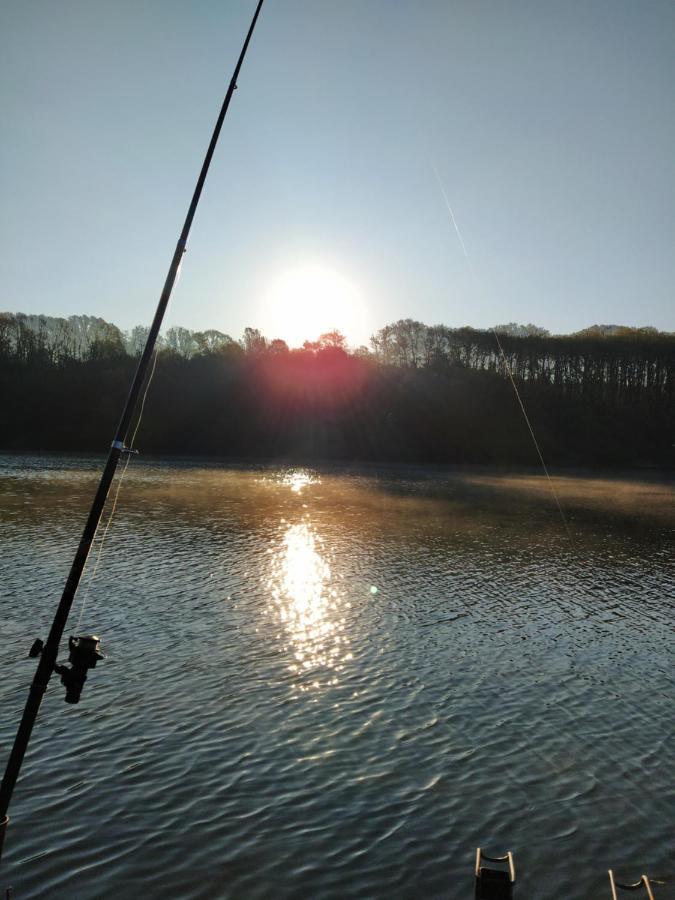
x,y
454,223
501,352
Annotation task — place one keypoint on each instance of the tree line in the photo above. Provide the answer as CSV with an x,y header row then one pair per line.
x,y
617,363
427,393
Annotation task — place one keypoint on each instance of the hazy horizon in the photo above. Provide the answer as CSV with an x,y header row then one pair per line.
x,y
514,328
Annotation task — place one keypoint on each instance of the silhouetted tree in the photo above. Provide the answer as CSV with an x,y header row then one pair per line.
x,y
254,342
334,339
211,340
181,341
424,392
135,339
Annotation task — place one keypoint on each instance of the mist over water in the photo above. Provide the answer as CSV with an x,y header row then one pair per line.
x,y
339,682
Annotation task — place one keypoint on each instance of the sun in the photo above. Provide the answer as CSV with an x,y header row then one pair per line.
x,y
306,301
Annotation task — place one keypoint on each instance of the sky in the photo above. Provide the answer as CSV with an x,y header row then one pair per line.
x,y
550,123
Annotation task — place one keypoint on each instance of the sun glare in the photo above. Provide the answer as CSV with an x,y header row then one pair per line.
x,y
306,301
310,608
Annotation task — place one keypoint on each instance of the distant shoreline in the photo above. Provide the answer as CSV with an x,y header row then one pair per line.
x,y
360,465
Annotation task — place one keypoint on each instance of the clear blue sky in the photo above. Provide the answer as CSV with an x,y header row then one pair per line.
x,y
552,125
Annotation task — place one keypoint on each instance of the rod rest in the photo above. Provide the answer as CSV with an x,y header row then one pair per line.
x,y
635,886
491,883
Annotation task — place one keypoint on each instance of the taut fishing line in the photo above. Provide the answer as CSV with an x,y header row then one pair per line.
x,y
113,506
502,355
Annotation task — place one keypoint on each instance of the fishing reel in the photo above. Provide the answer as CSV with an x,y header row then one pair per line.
x,y
85,652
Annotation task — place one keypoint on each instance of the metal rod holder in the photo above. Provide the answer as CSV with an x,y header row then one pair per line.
x,y
491,883
643,883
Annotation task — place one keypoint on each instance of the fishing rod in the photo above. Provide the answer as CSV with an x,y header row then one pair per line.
x,y
85,650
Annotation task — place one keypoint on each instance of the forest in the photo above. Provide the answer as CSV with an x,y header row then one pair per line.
x,y
604,396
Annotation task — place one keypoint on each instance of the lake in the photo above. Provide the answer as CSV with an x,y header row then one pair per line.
x,y
338,682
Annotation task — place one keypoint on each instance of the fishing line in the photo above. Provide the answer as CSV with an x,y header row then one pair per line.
x,y
504,359
113,507
85,650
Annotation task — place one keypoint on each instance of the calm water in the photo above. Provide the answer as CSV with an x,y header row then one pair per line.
x,y
338,683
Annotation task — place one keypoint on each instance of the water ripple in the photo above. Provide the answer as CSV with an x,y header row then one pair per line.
x,y
338,684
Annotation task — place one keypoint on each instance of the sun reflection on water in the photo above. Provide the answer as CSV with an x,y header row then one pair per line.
x,y
299,479
309,606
